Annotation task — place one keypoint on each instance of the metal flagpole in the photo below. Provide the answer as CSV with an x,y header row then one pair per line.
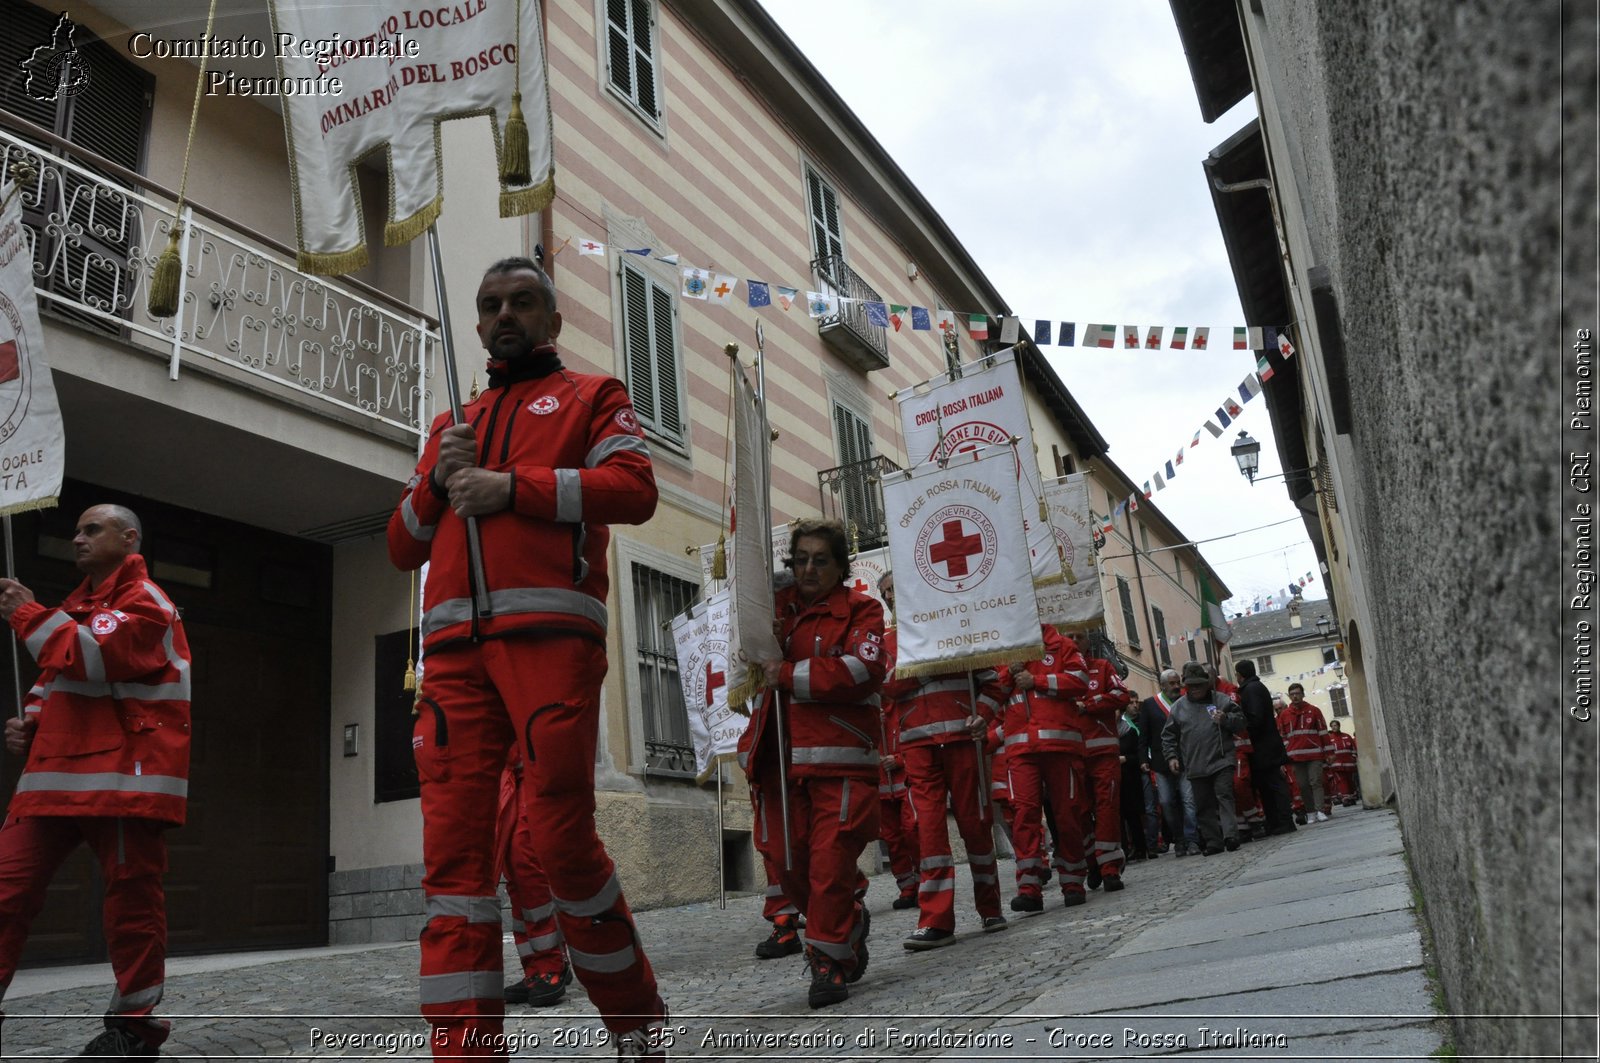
x,y
778,714
480,587
722,874
16,662
978,740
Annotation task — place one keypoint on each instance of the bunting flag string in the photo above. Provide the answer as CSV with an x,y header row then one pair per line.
x,y
704,284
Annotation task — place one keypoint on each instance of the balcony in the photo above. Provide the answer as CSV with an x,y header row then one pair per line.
x,y
340,348
857,340
853,494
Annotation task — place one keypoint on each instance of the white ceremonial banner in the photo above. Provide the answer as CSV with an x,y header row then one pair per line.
x,y
708,554
381,75
1077,603
940,418
962,583
866,569
701,638
753,606
33,443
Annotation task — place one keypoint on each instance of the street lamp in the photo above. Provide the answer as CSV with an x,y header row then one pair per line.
x,y
1247,452
1324,625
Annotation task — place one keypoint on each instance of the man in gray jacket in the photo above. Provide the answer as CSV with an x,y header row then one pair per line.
x,y
1198,741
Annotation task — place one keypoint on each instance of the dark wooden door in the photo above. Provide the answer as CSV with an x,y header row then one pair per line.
x,y
249,868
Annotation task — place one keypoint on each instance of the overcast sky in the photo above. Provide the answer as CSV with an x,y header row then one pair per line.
x,y
1062,142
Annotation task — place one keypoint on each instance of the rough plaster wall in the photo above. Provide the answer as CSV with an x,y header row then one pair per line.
x,y
1436,206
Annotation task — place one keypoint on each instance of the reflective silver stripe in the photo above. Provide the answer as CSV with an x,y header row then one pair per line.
x,y
94,665
944,686
933,863
984,699
773,891
1054,734
462,985
802,680
526,949
102,781
838,951
178,691
569,496
1050,683
844,802
987,880
1016,740
849,755
472,909
35,642
539,914
1021,864
518,600
928,730
544,941
603,901
141,999
937,885
984,860
408,516
613,445
1100,743
603,962
857,668
788,909
998,785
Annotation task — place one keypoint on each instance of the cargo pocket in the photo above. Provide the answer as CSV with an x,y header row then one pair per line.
x,y
78,731
430,742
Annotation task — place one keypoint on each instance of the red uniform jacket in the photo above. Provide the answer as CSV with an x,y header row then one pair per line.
x,y
1102,707
834,664
1344,750
1305,734
112,702
1047,719
581,463
932,710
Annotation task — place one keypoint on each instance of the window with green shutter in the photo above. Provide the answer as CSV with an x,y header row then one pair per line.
x,y
631,54
653,376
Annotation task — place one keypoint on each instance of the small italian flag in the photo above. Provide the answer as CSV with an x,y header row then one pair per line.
x,y
1263,368
978,325
897,314
1241,339
1180,338
1100,336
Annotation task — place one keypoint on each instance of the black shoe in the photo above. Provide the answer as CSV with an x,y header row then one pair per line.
x,y
1023,902
1232,845
861,947
1091,878
1152,854
1113,883
118,1042
1180,853
783,941
1300,819
994,924
1213,850
904,901
1072,900
827,981
924,938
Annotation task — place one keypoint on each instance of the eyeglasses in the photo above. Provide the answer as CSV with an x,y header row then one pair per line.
x,y
799,561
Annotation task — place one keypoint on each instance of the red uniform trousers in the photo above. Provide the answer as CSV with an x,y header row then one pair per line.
x,y
831,820
132,852
934,771
1103,787
897,828
1296,801
1340,785
533,913
543,692
1246,804
1035,778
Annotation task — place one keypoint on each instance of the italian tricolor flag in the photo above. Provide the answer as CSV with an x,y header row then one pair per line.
x,y
897,314
978,325
1263,368
1180,338
1100,336
1240,339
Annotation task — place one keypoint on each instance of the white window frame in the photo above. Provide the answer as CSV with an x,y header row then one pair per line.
x,y
629,100
630,553
674,438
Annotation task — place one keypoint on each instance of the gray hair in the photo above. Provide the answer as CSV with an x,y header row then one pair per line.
x,y
1173,672
126,518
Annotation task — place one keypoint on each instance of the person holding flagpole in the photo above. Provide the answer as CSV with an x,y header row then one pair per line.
x,y
828,678
545,460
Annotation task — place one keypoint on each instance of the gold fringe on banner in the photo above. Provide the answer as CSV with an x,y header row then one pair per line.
x,y
514,166
30,507
407,229
332,263
1049,581
754,683
516,202
968,664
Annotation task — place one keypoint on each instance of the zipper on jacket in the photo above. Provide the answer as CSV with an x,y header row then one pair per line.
x,y
580,564
858,732
441,732
505,440
488,435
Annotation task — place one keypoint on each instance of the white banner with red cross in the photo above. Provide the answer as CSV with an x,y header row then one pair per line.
x,y
33,443
701,638
1077,602
963,585
984,406
866,569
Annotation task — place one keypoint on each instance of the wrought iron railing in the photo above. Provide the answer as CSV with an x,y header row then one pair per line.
x,y
851,331
853,494
244,307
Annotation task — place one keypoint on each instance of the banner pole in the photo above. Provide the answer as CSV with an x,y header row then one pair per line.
x,y
16,662
480,587
983,773
777,696
722,874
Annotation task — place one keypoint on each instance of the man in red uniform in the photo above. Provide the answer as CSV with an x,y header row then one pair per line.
x,y
106,735
828,679
1101,709
941,738
1044,749
1305,736
546,460
1341,773
897,819
545,970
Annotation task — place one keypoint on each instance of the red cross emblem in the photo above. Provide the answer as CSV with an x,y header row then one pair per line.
x,y
859,585
714,681
1153,340
954,549
589,245
1199,343
721,291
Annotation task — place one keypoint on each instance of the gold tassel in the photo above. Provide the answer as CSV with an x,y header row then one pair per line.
x,y
409,683
472,394
719,560
514,166
163,301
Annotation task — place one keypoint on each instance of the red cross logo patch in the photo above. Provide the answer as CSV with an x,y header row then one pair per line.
x,y
627,420
103,624
957,548
544,404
